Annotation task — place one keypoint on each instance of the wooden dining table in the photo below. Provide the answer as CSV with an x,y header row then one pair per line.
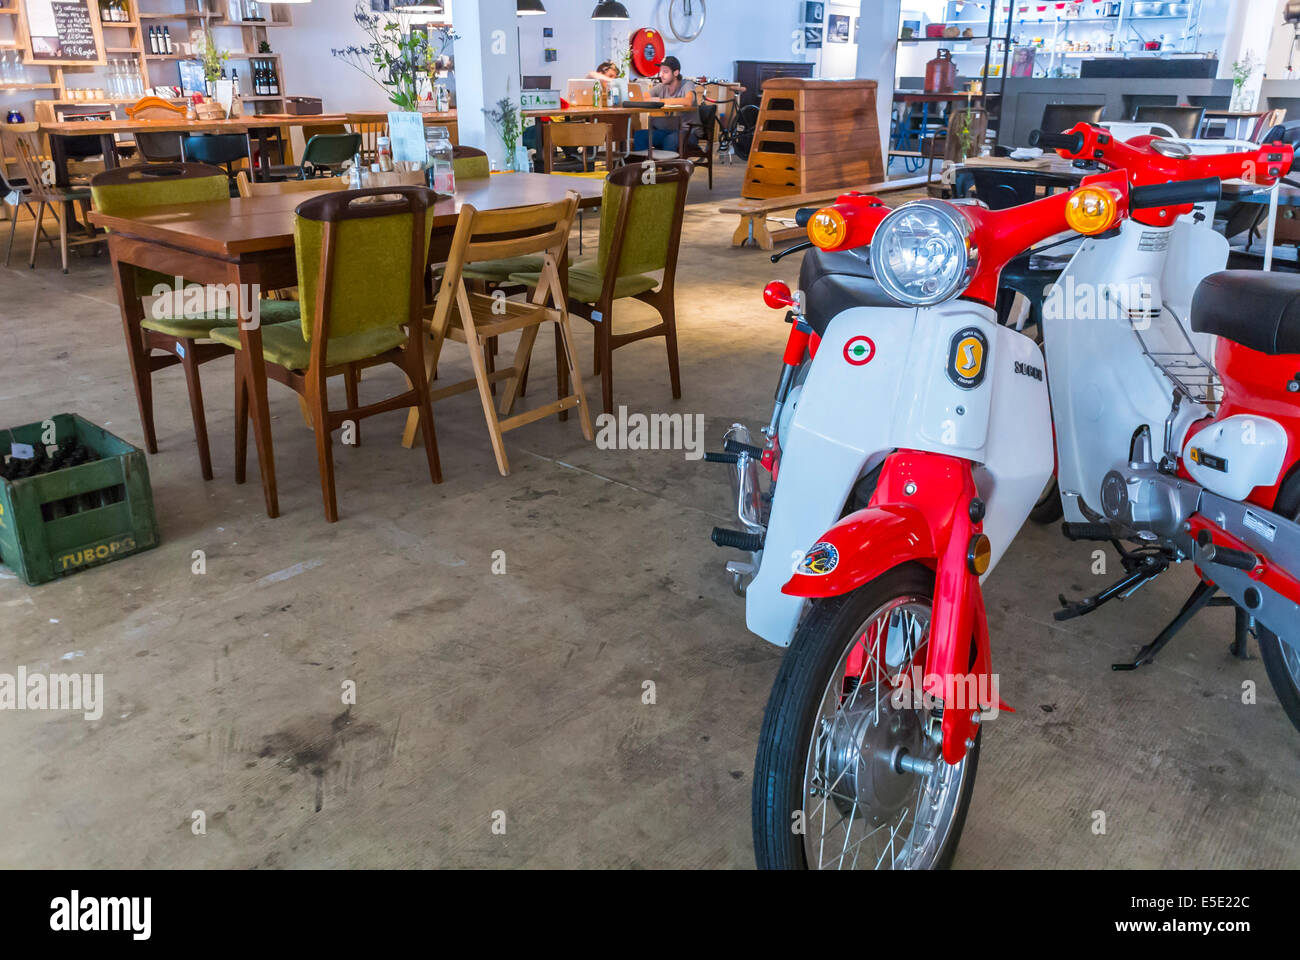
x,y
259,127
250,242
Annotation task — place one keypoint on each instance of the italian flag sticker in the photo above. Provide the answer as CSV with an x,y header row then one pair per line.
x,y
859,351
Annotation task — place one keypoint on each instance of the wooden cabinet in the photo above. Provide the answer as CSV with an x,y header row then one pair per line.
x,y
752,74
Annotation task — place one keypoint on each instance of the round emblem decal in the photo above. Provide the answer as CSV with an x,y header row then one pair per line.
x,y
820,560
859,351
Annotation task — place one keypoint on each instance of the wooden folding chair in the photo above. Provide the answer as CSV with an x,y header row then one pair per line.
x,y
371,127
59,200
475,318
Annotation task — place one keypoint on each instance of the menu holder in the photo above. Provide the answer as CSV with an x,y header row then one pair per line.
x,y
61,32
406,134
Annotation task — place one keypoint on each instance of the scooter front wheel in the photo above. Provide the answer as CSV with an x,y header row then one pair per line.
x,y
849,773
1281,660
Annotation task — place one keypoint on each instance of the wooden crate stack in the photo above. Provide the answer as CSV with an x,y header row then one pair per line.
x,y
813,135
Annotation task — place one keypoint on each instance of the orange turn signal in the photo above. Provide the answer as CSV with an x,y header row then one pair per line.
x,y
1091,210
827,228
978,554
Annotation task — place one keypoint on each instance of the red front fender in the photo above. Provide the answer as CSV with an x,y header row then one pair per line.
x,y
925,509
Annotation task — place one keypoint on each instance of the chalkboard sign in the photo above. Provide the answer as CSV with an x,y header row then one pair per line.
x,y
62,32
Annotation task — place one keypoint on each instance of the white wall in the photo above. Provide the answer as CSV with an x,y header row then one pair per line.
x,y
840,59
574,41
309,70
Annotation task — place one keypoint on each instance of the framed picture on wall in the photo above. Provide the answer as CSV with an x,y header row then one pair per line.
x,y
548,32
814,12
812,37
837,29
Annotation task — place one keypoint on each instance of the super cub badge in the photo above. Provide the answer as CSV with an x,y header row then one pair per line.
x,y
966,357
820,560
859,351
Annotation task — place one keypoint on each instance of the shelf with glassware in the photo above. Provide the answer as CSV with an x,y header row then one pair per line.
x,y
1069,29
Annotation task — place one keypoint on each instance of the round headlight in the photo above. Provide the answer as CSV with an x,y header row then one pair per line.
x,y
921,253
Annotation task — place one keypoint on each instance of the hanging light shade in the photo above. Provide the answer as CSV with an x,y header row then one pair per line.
x,y
610,10
529,8
418,6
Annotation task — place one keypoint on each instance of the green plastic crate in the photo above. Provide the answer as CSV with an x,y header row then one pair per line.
x,y
39,546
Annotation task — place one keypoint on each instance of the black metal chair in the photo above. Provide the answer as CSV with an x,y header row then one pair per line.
x,y
700,139
1059,117
1185,121
159,147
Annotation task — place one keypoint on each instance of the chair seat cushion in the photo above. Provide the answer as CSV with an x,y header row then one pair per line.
x,y
273,312
283,344
499,271
586,282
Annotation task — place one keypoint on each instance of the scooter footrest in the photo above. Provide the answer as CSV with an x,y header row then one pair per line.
x,y
736,447
739,539
711,457
1088,531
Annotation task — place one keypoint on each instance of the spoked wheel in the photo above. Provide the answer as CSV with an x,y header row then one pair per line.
x,y
848,775
746,127
1281,660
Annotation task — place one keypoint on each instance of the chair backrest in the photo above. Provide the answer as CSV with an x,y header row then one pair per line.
x,y
361,256
1001,188
470,163
1185,121
159,147
371,127
323,129
331,149
483,235
1059,117
582,135
214,147
708,119
641,218
1265,124
154,108
155,185
21,146
248,188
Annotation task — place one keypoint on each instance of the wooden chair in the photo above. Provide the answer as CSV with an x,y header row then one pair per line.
x,y
157,147
475,318
470,163
699,139
59,200
371,127
361,258
253,188
640,233
155,342
584,136
15,193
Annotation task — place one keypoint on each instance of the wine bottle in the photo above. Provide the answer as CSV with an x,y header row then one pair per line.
x,y
167,39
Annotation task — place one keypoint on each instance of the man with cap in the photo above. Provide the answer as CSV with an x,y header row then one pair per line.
x,y
672,89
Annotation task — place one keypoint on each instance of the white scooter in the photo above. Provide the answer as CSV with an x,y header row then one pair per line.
x,y
924,428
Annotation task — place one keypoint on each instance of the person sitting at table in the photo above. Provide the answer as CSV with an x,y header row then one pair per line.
x,y
673,90
606,72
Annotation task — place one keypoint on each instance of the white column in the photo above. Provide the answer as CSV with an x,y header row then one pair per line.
x,y
876,55
487,70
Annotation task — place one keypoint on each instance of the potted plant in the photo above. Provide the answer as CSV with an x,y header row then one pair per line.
x,y
396,57
506,118
214,60
1242,71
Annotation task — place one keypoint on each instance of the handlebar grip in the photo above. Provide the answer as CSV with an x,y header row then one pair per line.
x,y
1227,557
1069,142
1176,193
803,215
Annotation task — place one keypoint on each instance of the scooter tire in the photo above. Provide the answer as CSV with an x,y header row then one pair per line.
x,y
1048,509
1285,683
793,704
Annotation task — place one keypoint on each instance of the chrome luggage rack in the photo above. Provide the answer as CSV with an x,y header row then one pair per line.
x,y
1169,346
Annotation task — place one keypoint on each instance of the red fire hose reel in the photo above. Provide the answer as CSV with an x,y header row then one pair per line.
x,y
648,51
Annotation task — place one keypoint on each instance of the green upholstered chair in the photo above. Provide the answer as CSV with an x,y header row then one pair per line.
x,y
470,163
361,258
640,232
157,339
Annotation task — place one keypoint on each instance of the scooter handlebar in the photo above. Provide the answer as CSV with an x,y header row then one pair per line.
x,y
1069,142
1177,193
803,215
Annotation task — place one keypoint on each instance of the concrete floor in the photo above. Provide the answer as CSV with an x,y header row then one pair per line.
x,y
522,692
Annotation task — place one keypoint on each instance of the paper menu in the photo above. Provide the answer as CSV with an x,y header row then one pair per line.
x,y
406,131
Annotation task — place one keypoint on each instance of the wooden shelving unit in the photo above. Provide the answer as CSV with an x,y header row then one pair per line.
x,y
127,40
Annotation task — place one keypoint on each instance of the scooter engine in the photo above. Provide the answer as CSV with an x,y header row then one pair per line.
x,y
1145,500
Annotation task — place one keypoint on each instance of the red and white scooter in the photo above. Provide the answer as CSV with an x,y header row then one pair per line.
x,y
905,457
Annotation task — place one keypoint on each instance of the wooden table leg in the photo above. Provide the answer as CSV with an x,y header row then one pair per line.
x,y
108,146
136,353
59,157
252,369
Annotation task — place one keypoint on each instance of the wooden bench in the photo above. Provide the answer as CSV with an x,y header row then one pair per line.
x,y
754,214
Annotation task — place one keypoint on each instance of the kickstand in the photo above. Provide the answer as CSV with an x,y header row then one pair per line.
x,y
1141,569
1242,629
1201,596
